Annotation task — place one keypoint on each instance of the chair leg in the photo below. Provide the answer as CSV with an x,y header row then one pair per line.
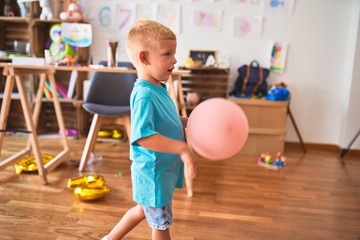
x,y
90,141
297,130
125,121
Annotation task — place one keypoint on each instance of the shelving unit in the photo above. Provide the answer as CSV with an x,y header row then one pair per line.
x,y
208,82
267,125
34,31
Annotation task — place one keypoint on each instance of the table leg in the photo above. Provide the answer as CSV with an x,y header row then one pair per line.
x,y
5,106
31,127
59,115
38,102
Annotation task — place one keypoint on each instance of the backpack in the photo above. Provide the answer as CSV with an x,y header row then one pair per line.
x,y
251,81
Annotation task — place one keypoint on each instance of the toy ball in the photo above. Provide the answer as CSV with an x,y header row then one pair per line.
x,y
217,129
64,16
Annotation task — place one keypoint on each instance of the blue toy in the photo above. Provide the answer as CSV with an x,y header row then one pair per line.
x,y
278,94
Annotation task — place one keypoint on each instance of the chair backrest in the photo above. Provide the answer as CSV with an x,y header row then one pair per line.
x,y
112,89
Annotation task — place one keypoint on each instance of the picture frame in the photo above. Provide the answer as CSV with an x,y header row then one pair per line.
x,y
203,55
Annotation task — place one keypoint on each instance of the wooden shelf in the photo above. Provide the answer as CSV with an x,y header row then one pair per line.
x,y
15,19
5,59
14,95
65,100
36,32
208,82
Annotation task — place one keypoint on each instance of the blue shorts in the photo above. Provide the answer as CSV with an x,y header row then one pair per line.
x,y
159,218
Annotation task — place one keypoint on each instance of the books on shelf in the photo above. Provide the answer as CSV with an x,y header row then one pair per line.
x,y
47,92
48,87
61,89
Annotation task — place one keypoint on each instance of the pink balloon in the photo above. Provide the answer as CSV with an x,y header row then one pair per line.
x,y
217,128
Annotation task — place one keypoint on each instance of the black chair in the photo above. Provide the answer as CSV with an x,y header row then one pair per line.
x,y
108,99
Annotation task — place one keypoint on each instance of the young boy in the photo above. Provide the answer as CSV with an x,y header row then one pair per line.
x,y
157,148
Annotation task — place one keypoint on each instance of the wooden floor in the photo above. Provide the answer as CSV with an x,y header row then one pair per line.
x,y
316,196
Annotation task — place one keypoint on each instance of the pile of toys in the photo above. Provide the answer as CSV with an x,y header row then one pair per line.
x,y
275,163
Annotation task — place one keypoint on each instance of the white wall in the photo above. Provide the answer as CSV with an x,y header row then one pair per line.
x,y
324,48
351,109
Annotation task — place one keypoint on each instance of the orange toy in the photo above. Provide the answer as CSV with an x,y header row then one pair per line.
x,y
72,13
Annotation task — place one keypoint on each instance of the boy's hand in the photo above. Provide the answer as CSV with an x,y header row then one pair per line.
x,y
189,159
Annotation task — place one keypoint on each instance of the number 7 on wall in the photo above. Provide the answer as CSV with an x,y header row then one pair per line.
x,y
125,16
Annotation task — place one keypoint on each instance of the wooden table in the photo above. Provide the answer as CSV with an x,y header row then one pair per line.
x,y
15,74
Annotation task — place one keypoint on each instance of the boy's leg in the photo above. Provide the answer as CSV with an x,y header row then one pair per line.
x,y
161,234
131,218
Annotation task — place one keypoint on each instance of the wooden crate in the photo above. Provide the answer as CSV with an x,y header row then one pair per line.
x,y
267,125
18,30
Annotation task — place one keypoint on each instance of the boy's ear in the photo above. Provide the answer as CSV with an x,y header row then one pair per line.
x,y
143,56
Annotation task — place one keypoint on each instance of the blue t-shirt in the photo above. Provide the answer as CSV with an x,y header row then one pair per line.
x,y
154,175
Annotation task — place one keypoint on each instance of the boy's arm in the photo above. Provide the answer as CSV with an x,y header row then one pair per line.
x,y
160,143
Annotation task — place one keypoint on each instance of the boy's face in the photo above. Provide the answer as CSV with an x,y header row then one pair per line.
x,y
161,61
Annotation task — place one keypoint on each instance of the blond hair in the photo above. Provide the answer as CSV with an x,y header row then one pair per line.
x,y
148,31
144,35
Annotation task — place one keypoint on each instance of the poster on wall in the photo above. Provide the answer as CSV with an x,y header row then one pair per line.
x,y
279,7
253,2
146,11
124,17
248,26
77,34
207,20
86,9
278,56
169,15
103,15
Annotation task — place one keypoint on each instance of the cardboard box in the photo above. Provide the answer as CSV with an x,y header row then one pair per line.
x,y
267,125
262,142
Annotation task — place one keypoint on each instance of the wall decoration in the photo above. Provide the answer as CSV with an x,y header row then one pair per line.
x,y
103,15
77,34
146,11
124,17
86,9
278,57
169,15
253,2
248,26
279,7
208,20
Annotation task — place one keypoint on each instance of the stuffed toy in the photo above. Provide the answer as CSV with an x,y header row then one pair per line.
x,y
46,12
72,13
